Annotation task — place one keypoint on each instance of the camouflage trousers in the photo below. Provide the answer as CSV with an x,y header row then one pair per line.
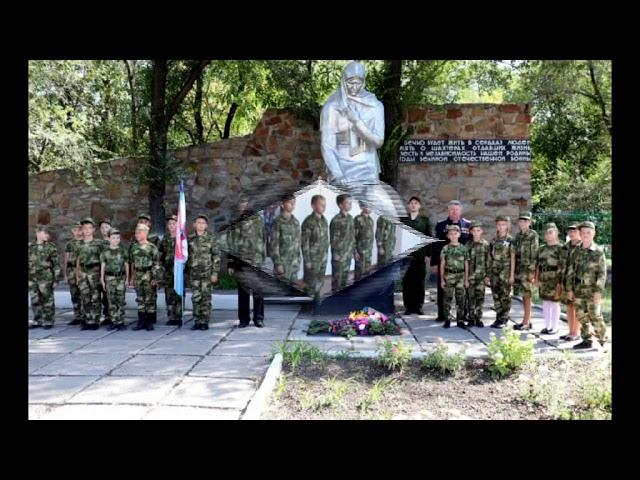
x,y
363,265
146,294
590,317
454,288
76,299
201,289
42,303
339,274
382,259
501,291
291,267
90,294
314,277
475,295
172,299
104,299
116,291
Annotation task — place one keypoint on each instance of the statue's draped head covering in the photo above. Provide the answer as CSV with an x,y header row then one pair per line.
x,y
355,69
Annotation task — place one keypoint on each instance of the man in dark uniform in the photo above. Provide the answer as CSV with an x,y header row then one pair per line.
x,y
454,218
413,281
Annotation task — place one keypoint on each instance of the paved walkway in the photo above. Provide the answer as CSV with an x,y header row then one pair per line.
x,y
173,373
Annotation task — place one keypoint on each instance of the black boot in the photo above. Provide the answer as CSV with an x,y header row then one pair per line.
x,y
447,323
141,323
150,320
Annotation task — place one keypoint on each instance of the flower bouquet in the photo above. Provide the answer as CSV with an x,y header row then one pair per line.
x,y
366,321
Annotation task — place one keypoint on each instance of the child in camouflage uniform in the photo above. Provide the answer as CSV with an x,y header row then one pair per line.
x,y
88,274
569,250
144,260
503,261
363,226
343,242
70,257
114,277
315,244
167,254
479,271
526,248
549,275
385,239
587,277
285,241
454,274
44,272
203,264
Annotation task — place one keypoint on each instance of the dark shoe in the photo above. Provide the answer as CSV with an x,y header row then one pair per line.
x,y
75,322
583,344
86,326
552,332
106,322
569,338
121,326
447,324
440,319
34,325
48,327
141,322
478,323
258,323
521,326
171,322
461,325
153,318
419,312
112,327
178,323
195,326
243,325
544,331
498,324
204,326
408,312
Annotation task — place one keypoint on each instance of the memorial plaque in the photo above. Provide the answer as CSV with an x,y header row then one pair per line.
x,y
464,151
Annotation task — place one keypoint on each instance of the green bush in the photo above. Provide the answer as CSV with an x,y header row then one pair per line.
x,y
294,353
318,326
393,355
509,353
441,361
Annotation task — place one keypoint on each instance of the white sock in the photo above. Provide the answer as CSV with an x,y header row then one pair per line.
x,y
546,312
555,315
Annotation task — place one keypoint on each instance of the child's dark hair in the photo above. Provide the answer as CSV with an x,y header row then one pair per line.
x,y
417,199
341,198
315,198
288,196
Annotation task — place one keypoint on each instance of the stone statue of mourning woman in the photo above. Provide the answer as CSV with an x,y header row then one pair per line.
x,y
352,127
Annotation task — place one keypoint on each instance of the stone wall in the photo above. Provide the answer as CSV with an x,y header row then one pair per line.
x,y
485,190
286,151
282,149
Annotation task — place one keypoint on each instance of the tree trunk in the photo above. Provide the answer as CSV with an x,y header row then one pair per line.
x,y
227,123
134,111
391,101
198,111
158,145
598,96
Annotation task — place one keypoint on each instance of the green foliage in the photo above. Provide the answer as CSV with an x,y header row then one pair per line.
x,y
563,219
294,353
374,395
393,355
226,282
509,353
318,326
441,361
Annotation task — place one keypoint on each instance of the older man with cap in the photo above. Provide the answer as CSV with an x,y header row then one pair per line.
x,y
454,217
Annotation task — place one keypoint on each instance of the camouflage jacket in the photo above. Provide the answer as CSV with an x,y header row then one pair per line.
x,y
204,255
43,261
479,260
363,225
246,241
385,235
343,240
89,254
114,260
526,248
285,240
587,272
569,251
501,250
167,251
72,249
454,258
551,265
143,258
314,238
152,238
